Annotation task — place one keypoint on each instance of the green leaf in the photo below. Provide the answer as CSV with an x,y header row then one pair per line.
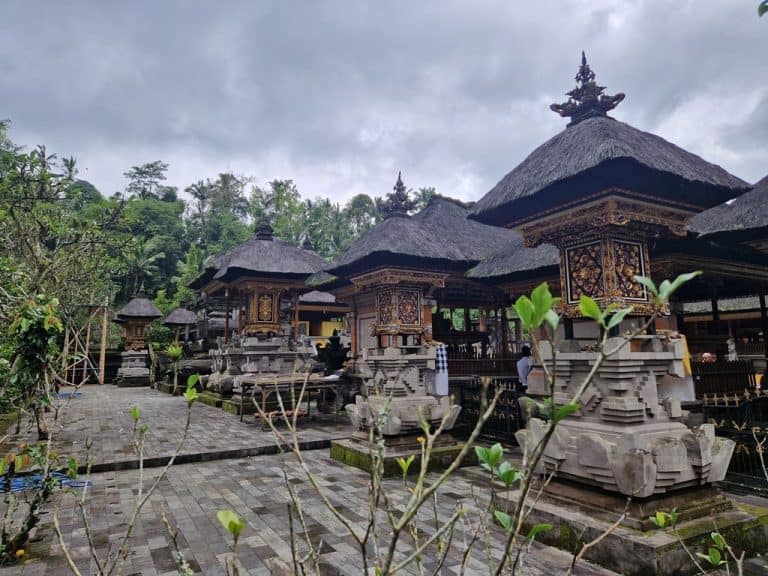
x,y
680,280
713,556
762,8
659,519
231,521
191,395
618,317
143,429
718,539
508,474
135,413
72,468
589,309
193,380
552,318
495,453
648,283
542,302
565,410
18,463
537,529
3,466
482,454
504,519
526,311
405,463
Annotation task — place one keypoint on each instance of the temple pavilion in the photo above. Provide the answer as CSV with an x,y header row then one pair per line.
x,y
258,288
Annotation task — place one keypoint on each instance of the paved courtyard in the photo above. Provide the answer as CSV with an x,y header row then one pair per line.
x,y
253,486
102,414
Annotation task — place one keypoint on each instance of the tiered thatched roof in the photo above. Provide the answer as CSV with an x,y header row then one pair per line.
x,y
139,307
517,261
180,317
438,236
262,255
601,153
748,214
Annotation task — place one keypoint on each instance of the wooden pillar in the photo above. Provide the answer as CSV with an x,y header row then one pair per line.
x,y
504,327
86,349
103,342
295,305
467,320
715,317
764,322
568,328
226,315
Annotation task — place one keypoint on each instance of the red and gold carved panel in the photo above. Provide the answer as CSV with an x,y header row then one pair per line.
x,y
408,307
386,304
263,312
584,271
398,311
628,262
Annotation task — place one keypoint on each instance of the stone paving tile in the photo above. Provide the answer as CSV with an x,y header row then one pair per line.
x,y
101,414
254,488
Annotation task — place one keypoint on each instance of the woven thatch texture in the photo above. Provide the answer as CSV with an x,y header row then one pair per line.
x,y
180,317
747,212
440,232
139,307
261,256
593,142
516,258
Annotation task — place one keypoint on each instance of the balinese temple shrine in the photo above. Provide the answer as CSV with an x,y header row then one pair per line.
x,y
397,277
267,327
259,288
134,319
616,202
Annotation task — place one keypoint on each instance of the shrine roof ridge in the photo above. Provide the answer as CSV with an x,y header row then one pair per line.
x,y
742,214
580,149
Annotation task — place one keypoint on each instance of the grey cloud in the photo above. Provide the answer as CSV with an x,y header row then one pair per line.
x,y
339,95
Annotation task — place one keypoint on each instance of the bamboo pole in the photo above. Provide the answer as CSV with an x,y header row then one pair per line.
x,y
103,343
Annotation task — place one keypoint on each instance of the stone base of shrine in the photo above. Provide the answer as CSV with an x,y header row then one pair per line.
x,y
356,451
579,515
210,398
235,405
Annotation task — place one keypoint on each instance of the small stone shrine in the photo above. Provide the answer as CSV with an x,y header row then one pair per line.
x,y
134,318
600,191
396,371
262,281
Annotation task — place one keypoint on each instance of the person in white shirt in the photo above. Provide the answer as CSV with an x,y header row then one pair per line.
x,y
524,367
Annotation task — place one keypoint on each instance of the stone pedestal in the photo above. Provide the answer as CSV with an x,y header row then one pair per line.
x,y
134,369
356,451
397,404
624,438
579,515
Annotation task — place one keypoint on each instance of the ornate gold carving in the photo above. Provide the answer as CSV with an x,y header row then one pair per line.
x,y
262,313
409,307
390,276
628,262
584,271
398,312
266,313
610,211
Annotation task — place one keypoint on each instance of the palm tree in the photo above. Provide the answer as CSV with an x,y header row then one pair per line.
x,y
141,258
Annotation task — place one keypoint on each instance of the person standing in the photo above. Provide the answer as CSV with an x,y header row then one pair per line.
x,y
524,366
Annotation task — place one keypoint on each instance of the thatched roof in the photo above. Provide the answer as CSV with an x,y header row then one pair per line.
x,y
180,317
516,259
439,235
260,255
318,297
748,212
601,153
139,307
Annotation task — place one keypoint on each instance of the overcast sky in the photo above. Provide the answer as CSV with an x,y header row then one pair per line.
x,y
339,96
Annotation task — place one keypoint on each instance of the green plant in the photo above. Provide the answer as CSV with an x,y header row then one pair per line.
x,y
234,525
175,352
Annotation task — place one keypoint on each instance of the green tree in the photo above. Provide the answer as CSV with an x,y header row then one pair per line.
x,y
141,258
146,181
